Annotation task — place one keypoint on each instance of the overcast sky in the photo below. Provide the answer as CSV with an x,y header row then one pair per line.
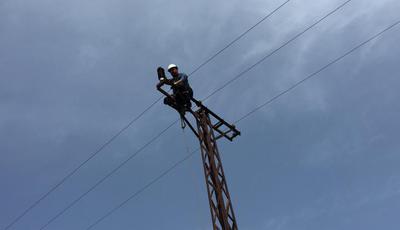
x,y
324,156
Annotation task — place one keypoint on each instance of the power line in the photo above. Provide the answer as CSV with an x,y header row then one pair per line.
x,y
108,175
240,119
144,188
238,38
277,49
53,188
317,72
148,143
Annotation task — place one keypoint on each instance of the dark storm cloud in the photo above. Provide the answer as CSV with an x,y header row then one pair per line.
x,y
72,73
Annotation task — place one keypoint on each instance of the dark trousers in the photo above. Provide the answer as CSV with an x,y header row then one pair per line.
x,y
180,100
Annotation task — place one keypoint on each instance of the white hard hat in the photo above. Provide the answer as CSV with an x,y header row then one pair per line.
x,y
170,66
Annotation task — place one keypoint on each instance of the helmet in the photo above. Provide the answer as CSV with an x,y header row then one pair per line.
x,y
172,66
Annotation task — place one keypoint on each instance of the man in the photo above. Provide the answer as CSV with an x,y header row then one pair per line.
x,y
181,90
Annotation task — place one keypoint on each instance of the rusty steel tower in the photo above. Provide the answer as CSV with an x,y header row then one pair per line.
x,y
210,128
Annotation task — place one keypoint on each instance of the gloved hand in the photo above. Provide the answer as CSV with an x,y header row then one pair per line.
x,y
168,81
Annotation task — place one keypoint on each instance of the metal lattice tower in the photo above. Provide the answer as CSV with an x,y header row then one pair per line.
x,y
221,209
210,128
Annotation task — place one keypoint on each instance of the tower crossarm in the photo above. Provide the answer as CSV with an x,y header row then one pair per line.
x,y
219,125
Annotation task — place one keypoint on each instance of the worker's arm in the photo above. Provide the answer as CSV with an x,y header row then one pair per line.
x,y
159,88
162,78
168,81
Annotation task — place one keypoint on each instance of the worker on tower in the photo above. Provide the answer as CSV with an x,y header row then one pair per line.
x,y
182,93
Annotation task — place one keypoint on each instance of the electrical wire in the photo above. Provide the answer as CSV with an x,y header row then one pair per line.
x,y
70,174
187,157
238,38
277,49
269,101
107,176
144,188
316,72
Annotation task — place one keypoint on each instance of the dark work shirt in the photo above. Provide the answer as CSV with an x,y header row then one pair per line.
x,y
180,83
